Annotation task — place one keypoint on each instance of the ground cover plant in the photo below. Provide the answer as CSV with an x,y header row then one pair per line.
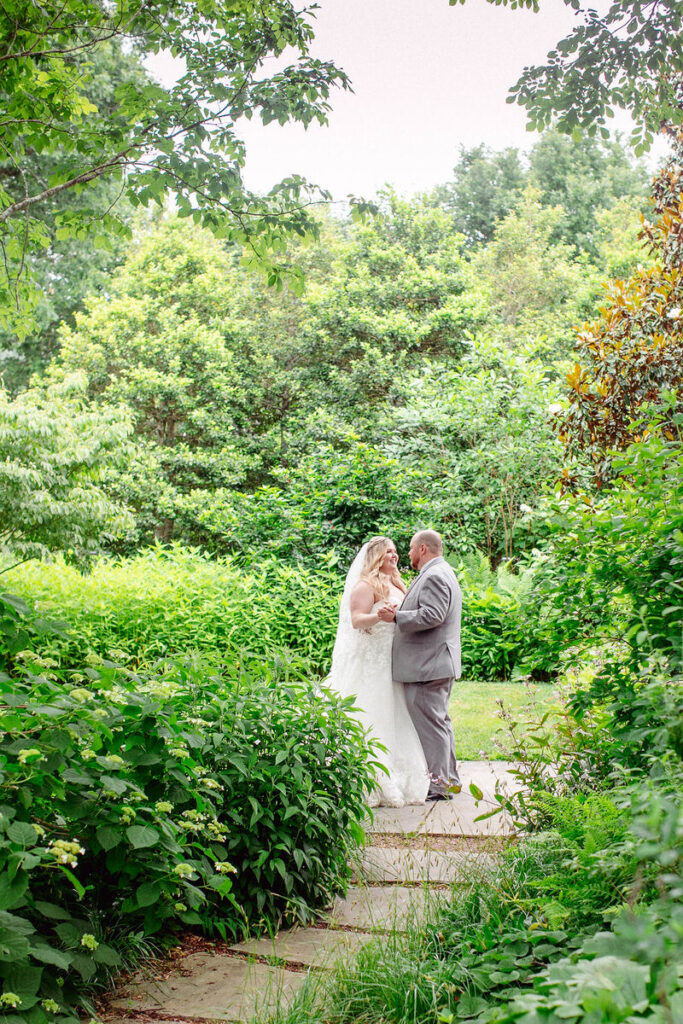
x,y
137,805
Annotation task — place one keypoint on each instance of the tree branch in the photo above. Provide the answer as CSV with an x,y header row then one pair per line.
x,y
80,179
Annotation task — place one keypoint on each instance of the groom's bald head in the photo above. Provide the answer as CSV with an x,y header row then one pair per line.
x,y
425,545
431,540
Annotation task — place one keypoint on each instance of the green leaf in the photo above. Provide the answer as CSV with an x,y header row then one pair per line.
x,y
141,836
23,980
108,837
118,786
104,954
12,891
78,886
85,965
52,911
78,778
49,955
23,833
13,946
147,893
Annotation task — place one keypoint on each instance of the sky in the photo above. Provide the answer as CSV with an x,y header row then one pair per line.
x,y
427,79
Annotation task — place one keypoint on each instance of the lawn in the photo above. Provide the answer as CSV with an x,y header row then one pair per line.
x,y
474,710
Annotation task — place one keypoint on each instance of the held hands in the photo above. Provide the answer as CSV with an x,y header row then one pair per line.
x,y
387,612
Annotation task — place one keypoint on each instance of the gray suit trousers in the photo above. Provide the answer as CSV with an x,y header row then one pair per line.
x,y
428,707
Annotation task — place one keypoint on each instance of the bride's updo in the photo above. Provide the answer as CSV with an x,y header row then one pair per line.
x,y
374,556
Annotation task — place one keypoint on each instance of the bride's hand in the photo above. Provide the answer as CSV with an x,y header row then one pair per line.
x,y
386,612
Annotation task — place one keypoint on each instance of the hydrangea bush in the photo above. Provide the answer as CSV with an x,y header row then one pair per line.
x,y
142,805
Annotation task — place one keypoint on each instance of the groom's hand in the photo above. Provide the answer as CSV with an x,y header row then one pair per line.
x,y
386,612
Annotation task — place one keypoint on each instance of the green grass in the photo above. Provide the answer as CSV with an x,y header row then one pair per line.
x,y
474,710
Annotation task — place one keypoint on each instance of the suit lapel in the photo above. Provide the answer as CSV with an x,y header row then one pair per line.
x,y
418,579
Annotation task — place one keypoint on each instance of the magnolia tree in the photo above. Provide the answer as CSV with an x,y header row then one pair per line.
x,y
632,355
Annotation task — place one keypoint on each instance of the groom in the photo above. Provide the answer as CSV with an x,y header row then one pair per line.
x,y
426,656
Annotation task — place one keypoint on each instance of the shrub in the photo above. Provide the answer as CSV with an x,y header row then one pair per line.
x,y
503,630
615,561
135,804
167,601
630,974
171,600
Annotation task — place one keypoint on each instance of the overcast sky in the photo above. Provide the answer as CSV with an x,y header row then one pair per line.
x,y
427,78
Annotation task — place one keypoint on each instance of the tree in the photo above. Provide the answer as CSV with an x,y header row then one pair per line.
x,y
69,268
484,189
632,355
53,453
163,345
538,287
400,289
380,298
630,58
584,176
480,437
581,175
183,139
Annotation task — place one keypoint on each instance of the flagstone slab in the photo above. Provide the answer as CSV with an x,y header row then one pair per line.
x,y
398,820
212,985
398,864
388,908
318,947
457,817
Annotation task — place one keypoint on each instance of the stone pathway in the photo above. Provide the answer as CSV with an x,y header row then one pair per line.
x,y
413,857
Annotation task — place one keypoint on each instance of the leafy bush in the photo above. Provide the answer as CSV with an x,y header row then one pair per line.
x,y
630,974
166,601
614,563
329,502
171,600
503,633
54,453
134,804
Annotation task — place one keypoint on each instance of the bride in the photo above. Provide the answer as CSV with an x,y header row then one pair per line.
x,y
361,668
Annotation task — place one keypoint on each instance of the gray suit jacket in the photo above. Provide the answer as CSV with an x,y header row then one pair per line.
x,y
427,638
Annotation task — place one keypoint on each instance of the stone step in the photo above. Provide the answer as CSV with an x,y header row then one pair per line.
x,y
457,816
401,875
391,864
315,947
384,908
212,986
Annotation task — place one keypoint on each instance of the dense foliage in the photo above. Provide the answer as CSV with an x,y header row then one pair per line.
x,y
269,424
166,602
633,354
54,450
159,801
143,138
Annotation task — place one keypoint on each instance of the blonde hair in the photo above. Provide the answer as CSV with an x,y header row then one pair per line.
x,y
370,574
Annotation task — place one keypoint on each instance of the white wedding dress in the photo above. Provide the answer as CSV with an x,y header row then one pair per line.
x,y
361,668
